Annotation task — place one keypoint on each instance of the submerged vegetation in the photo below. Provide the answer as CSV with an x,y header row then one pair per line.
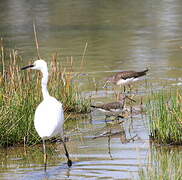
x,y
165,117
20,93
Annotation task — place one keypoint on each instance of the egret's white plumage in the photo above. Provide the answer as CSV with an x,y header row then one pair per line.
x,y
49,115
49,118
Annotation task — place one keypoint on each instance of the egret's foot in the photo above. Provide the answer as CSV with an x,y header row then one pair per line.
x,y
69,163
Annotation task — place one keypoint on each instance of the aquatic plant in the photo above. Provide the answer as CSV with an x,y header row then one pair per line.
x,y
165,116
164,163
20,93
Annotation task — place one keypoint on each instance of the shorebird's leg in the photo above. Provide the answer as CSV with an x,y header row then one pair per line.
x,y
105,85
117,118
45,155
130,87
106,116
124,90
69,162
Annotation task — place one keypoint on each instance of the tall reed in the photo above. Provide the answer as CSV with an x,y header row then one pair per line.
x,y
20,93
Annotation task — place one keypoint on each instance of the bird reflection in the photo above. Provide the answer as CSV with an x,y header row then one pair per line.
x,y
116,130
109,145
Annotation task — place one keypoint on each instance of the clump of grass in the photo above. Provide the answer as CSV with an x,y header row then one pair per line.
x,y
165,117
20,93
165,164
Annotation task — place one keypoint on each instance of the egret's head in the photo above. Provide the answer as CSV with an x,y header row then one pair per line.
x,y
38,65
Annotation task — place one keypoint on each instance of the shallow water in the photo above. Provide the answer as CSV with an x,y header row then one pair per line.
x,y
94,156
120,35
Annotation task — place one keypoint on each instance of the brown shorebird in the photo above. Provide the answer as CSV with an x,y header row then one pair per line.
x,y
126,77
113,107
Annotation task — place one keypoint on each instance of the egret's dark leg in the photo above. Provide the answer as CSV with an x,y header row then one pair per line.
x,y
45,155
69,162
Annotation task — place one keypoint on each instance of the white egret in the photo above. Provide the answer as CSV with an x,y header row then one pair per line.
x,y
49,115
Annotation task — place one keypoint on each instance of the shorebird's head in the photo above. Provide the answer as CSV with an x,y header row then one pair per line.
x,y
110,79
38,65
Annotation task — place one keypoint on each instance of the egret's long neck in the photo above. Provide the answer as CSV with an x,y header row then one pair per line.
x,y
44,82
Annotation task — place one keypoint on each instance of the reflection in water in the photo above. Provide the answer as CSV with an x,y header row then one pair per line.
x,y
164,163
17,23
109,145
90,156
115,131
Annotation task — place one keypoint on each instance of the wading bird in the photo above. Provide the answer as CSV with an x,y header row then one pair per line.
x,y
126,77
113,108
49,115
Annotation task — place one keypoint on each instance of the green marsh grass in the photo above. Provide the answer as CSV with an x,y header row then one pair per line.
x,y
165,117
164,164
20,93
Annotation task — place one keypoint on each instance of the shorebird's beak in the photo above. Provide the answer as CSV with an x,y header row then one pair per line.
x,y
27,67
130,99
